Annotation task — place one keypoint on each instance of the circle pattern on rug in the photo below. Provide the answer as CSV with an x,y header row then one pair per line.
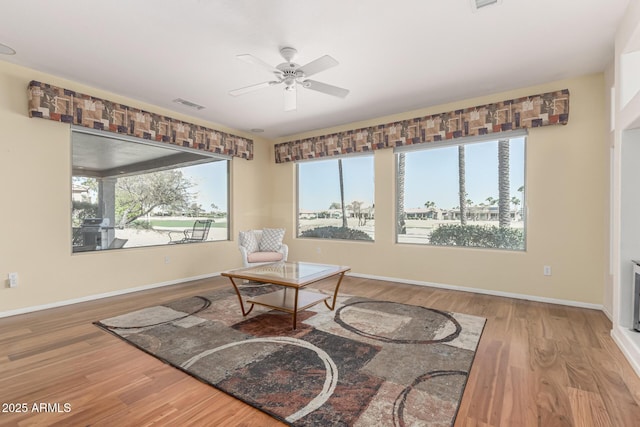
x,y
393,308
331,376
399,405
205,304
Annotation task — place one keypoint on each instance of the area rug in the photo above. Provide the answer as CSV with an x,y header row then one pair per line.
x,y
368,363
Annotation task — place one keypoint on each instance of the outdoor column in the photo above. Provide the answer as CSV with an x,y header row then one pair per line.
x,y
107,207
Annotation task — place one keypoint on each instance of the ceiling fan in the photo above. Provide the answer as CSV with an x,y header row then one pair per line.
x,y
292,75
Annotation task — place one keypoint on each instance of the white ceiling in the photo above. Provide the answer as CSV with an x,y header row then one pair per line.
x,y
394,56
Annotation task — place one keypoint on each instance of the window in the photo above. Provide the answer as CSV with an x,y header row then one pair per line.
x,y
131,193
469,194
335,198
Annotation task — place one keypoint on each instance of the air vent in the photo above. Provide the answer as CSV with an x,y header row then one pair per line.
x,y
188,104
479,4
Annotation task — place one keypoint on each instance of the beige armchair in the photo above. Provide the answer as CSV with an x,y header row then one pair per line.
x,y
262,246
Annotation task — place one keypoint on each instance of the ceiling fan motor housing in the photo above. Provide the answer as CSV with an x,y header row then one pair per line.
x,y
290,73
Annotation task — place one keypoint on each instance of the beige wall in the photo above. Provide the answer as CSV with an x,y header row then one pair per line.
x,y
35,184
566,192
567,187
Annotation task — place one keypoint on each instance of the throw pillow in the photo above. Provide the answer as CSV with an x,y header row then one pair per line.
x,y
248,241
271,239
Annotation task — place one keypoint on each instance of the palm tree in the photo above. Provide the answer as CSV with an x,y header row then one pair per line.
x,y
462,193
429,204
344,212
504,201
491,201
401,226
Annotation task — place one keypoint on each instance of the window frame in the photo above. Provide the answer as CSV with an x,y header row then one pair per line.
x,y
120,138
326,159
467,140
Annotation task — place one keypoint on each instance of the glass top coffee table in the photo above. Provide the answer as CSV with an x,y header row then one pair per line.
x,y
293,277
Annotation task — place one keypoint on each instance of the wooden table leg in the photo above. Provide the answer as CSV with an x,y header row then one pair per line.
x,y
335,294
240,298
295,309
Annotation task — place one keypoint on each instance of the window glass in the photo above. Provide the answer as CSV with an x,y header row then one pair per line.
x,y
127,194
431,211
335,198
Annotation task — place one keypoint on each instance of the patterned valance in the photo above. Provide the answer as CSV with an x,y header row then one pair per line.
x,y
532,111
63,105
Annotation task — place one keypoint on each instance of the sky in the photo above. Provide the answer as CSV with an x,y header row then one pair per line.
x,y
210,184
430,175
319,182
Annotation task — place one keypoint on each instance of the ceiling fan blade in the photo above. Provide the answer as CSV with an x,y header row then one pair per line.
x,y
247,89
325,88
290,98
259,62
320,64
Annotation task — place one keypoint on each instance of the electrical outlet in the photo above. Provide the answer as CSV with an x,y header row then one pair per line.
x,y
13,280
547,270
167,260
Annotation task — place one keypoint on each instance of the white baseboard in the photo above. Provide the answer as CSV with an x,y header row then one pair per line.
x,y
484,291
630,349
103,295
365,276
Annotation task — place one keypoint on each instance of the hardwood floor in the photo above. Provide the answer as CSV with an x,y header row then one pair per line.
x,y
537,365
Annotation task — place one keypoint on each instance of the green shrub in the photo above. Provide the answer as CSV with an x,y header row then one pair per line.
x,y
484,236
331,232
81,210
